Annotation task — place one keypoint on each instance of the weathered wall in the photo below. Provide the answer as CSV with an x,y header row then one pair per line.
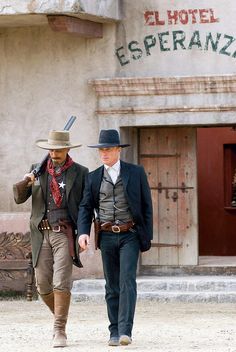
x,y
169,38
161,47
43,81
44,75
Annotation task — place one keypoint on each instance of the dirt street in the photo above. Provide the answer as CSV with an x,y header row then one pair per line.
x,y
26,327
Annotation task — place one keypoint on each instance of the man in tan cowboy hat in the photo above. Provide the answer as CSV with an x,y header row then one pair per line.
x,y
119,194
56,196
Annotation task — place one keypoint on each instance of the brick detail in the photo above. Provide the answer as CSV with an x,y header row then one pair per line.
x,y
76,26
164,85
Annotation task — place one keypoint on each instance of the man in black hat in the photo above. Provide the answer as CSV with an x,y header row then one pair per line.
x,y
56,195
119,194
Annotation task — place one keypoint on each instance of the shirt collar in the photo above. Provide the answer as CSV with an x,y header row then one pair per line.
x,y
116,166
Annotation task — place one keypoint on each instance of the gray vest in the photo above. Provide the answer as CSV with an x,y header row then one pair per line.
x,y
113,205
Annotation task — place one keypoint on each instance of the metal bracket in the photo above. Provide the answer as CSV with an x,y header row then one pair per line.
x,y
161,188
176,155
160,245
183,187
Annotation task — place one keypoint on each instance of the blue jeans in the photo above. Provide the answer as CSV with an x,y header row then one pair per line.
x,y
120,252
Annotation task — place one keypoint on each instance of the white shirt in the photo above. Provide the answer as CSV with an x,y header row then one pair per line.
x,y
113,171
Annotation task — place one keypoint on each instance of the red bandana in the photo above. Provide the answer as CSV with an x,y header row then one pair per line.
x,y
54,185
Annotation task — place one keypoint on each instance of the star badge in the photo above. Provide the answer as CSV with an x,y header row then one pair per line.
x,y
61,185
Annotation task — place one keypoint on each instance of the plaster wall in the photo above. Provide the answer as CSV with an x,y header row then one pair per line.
x,y
167,39
44,75
147,38
43,81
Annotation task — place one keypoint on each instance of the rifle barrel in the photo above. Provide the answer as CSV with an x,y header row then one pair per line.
x,y
69,123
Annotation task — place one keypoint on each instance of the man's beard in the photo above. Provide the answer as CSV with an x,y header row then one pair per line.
x,y
56,162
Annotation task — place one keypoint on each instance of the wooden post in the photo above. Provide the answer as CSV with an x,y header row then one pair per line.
x,y
30,278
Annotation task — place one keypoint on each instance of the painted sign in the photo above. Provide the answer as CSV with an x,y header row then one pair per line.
x,y
175,40
190,16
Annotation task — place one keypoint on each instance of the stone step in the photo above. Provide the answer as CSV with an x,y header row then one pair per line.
x,y
195,270
186,284
166,289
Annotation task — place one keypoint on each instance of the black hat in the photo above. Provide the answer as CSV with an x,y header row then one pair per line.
x,y
109,139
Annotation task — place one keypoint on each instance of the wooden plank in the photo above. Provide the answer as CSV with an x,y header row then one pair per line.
x,y
151,257
13,280
74,25
15,264
148,141
151,170
167,175
169,158
187,201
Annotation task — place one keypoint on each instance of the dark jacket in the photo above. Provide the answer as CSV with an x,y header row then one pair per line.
x,y
75,180
137,193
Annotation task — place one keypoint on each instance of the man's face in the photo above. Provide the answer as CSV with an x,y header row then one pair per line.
x,y
109,156
58,156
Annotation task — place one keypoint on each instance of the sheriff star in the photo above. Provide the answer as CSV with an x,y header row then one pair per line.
x,y
61,184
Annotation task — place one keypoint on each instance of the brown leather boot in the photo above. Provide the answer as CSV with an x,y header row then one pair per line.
x,y
61,308
49,300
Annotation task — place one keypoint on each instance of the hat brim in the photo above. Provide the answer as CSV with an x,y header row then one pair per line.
x,y
108,145
43,143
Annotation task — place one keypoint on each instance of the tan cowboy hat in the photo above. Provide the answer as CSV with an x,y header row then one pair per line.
x,y
56,140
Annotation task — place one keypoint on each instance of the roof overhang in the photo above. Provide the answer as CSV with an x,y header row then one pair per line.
x,y
19,13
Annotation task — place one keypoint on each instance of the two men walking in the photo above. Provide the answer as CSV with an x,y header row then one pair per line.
x,y
117,197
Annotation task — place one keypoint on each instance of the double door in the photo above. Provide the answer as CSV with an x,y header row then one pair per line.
x,y
169,158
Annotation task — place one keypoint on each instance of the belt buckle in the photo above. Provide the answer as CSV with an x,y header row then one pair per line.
x,y
115,228
56,228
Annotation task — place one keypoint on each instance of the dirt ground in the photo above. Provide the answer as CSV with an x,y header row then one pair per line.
x,y
26,327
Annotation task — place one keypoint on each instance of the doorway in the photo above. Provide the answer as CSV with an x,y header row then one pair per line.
x,y
169,158
192,175
216,158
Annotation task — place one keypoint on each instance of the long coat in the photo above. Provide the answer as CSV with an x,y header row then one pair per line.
x,y
137,193
75,180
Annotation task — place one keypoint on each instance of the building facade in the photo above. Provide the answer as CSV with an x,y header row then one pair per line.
x,y
162,73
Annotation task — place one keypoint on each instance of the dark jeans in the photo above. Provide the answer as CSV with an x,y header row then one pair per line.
x,y
120,252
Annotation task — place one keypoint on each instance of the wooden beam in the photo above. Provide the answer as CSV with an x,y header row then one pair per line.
x,y
74,25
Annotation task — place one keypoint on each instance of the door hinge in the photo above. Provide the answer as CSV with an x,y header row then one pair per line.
x,y
182,188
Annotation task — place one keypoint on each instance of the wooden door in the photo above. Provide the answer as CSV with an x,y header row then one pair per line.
x,y
217,191
169,158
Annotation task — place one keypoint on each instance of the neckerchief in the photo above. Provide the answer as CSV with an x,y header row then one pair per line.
x,y
56,194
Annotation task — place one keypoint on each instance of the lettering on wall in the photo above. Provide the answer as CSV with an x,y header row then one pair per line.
x,y
176,40
191,16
